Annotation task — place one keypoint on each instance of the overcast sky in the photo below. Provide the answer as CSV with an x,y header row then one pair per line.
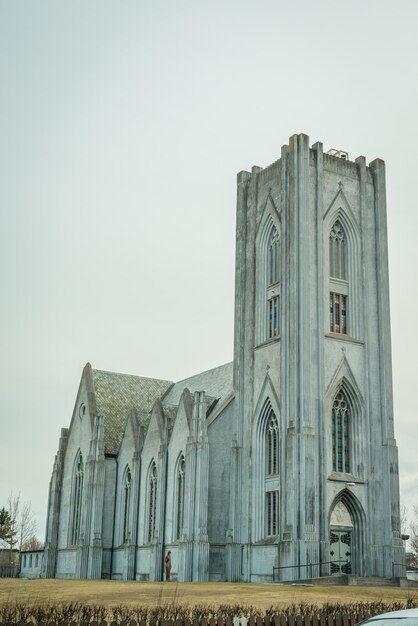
x,y
122,127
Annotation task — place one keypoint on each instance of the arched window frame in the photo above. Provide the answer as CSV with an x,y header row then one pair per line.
x,y
339,285
268,268
358,426
76,499
266,473
126,505
152,502
179,491
272,445
340,433
348,289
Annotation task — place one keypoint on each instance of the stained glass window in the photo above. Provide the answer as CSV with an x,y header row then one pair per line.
x,y
338,313
340,434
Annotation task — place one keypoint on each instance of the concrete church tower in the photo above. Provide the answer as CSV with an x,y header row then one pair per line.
x,y
281,465
316,487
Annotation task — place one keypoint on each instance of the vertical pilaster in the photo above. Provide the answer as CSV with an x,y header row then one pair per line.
x,y
236,500
54,505
186,544
377,167
320,419
233,547
394,547
299,331
86,537
98,468
201,554
136,479
158,541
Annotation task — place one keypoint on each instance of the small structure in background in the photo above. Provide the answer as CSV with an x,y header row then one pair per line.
x,y
31,563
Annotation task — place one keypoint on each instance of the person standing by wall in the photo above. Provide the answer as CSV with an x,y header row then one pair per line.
x,y
168,565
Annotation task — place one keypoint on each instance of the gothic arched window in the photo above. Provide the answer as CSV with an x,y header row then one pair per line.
x,y
126,504
340,425
272,470
181,469
338,252
273,257
266,473
272,441
272,286
338,279
152,501
77,497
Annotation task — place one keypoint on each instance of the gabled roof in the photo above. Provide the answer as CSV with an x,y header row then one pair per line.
x,y
216,383
117,395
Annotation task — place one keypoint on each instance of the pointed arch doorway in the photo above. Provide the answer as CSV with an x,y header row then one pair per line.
x,y
341,540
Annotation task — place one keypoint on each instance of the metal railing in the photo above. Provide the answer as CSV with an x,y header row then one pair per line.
x,y
308,567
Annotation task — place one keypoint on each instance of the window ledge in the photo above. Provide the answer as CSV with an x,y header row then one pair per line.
x,y
266,342
337,477
341,337
267,541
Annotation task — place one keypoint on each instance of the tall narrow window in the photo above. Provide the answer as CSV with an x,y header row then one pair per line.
x,y
266,472
272,286
152,501
273,260
272,506
338,313
180,496
78,478
337,252
273,317
340,434
338,279
126,504
272,441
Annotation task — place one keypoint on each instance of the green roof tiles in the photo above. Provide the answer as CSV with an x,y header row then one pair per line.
x,y
117,395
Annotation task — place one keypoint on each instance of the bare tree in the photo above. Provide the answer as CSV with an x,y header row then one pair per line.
x,y
26,524
22,523
33,543
413,528
403,519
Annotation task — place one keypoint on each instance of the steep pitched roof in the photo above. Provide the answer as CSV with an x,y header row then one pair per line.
x,y
117,395
216,383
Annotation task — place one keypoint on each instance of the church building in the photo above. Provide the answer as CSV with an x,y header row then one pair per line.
x,y
281,465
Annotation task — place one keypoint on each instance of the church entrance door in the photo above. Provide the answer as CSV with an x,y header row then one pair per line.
x,y
340,550
340,540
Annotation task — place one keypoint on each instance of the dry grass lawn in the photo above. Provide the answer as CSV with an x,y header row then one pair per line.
x,y
113,593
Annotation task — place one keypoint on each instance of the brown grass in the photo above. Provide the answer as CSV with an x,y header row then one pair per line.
x,y
130,593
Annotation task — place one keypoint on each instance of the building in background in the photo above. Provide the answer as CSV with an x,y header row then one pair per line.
x,y
281,465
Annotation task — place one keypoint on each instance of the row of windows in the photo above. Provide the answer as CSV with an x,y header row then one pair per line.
x,y
152,495
30,560
340,428
338,263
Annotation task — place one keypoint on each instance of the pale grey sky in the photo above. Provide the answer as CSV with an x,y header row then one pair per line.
x,y
122,128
